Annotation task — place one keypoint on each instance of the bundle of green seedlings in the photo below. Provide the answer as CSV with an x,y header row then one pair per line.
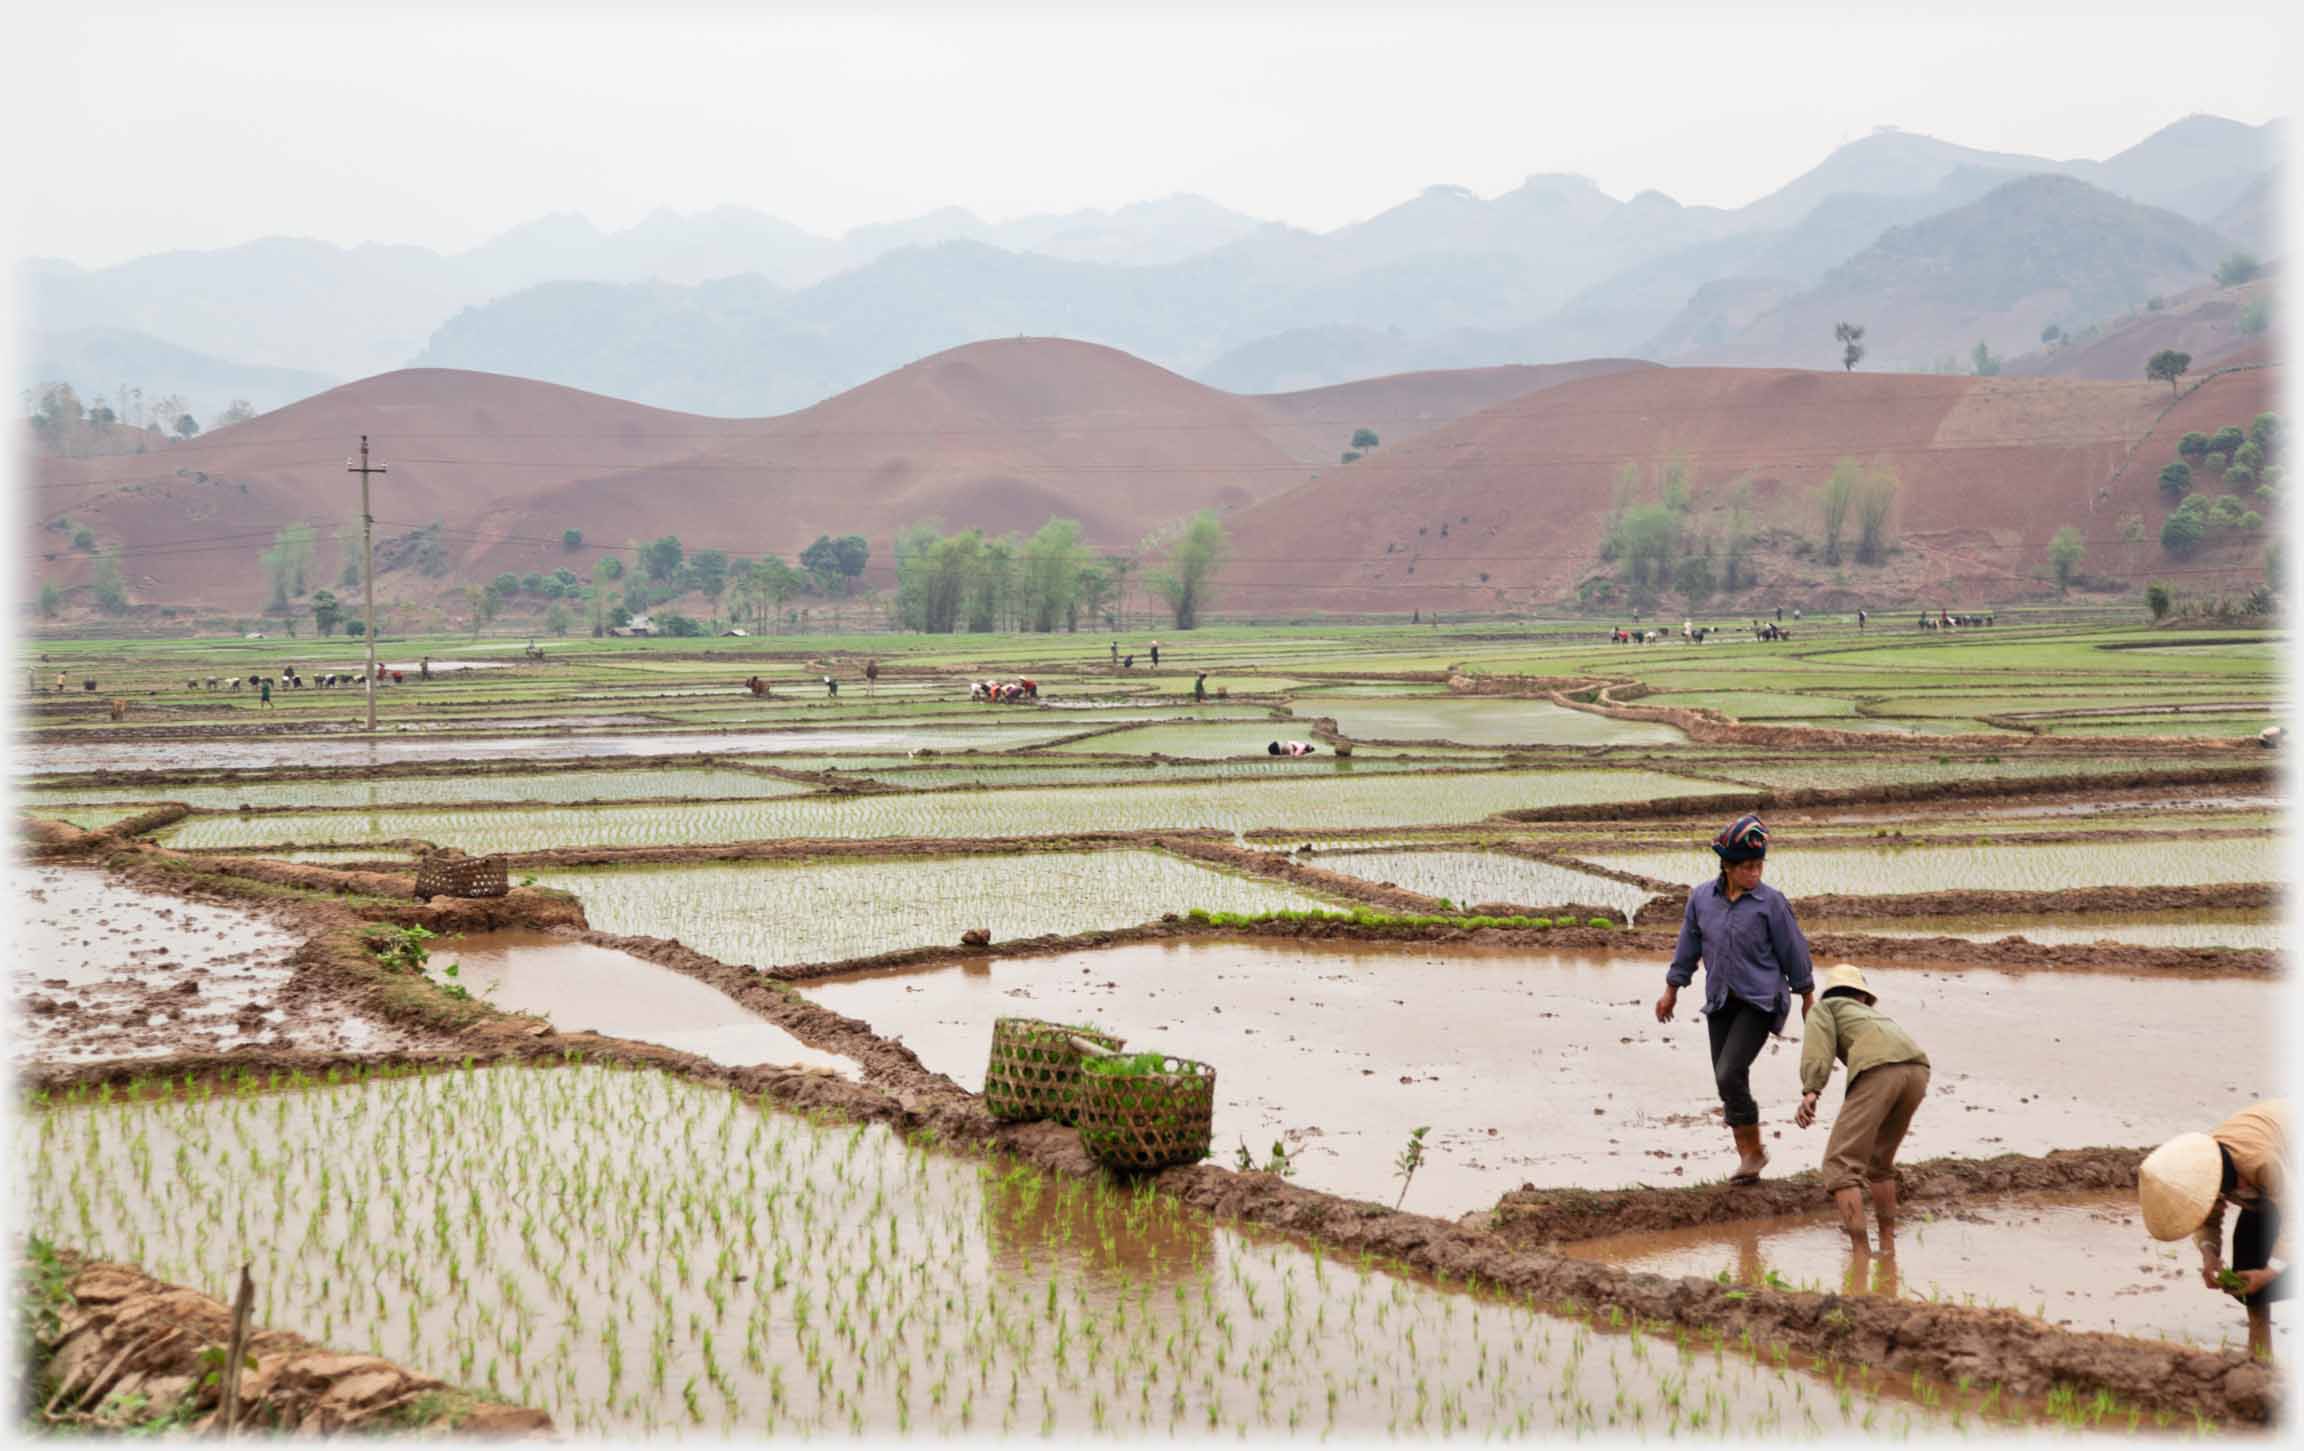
x,y
638,1254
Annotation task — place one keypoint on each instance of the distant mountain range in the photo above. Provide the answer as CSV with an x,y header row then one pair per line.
x,y
735,312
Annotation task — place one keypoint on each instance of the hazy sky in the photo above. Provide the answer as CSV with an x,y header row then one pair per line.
x,y
140,132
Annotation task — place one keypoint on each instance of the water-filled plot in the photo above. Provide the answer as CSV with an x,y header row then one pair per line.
x,y
1238,738
1998,867
578,987
1483,722
1551,1067
2051,1256
1329,801
768,914
2249,930
640,1255
1469,877
390,750
639,783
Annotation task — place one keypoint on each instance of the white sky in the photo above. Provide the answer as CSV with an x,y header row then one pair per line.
x,y
140,132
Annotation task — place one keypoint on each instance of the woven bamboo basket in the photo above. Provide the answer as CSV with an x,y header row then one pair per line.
x,y
1034,1071
461,877
1139,1122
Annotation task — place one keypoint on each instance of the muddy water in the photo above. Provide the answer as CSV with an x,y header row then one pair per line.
x,y
2082,1261
638,1254
580,987
102,970
1483,722
275,751
2043,867
1552,1069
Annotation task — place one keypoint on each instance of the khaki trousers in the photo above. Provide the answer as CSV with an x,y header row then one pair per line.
x,y
1873,1118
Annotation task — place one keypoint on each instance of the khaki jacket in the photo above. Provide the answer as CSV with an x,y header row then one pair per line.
x,y
2257,1139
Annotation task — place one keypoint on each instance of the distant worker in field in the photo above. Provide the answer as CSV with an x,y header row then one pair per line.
x,y
1292,748
2184,1185
871,676
1861,617
1115,652
831,686
1200,688
1127,662
1155,652
1754,959
264,691
1887,1078
424,668
59,682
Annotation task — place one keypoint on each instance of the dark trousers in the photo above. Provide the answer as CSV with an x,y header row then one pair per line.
x,y
1737,1030
2253,1236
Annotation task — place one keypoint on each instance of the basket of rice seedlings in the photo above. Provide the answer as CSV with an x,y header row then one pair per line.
x,y
1034,1071
1140,1112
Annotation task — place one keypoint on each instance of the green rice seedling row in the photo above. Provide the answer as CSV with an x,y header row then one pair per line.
x,y
2007,867
768,914
639,1255
1373,802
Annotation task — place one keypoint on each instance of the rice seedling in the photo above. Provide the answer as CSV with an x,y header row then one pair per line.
x,y
642,1254
770,913
2008,867
1376,801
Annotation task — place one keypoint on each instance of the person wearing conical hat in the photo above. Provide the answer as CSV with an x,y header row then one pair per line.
x,y
1887,1078
1754,959
2184,1185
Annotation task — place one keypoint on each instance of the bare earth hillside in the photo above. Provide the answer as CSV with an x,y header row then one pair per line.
x,y
999,435
1509,507
2207,322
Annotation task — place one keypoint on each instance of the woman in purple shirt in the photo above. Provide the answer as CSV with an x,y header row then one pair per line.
x,y
1754,960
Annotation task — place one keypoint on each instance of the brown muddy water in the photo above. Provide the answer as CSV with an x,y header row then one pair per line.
x,y
580,988
103,971
1552,1069
2239,929
2080,1261
643,1255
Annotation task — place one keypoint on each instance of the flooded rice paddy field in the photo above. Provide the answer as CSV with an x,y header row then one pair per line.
x,y
540,786
1482,722
105,971
578,987
636,1253
2005,867
1467,877
1551,1067
1374,802
262,752
2078,1260
640,1255
2204,928
768,914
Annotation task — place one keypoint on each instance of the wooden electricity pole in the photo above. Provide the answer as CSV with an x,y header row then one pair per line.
x,y
368,567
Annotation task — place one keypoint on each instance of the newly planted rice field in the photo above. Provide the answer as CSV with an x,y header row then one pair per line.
x,y
1465,878
1997,867
639,1255
1329,802
769,914
540,786
643,1253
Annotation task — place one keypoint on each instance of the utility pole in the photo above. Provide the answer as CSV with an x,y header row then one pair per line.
x,y
368,567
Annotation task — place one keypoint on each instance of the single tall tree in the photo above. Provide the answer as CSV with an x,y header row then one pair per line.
x,y
2166,366
2065,552
1850,336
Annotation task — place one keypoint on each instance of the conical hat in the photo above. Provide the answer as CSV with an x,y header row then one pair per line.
x,y
2177,1185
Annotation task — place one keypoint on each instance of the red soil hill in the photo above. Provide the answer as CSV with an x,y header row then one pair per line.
x,y
999,435
1509,507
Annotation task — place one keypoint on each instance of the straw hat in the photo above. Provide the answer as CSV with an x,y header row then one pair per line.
x,y
2178,1183
1847,974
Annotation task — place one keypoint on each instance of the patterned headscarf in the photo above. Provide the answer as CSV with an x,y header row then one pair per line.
x,y
1742,840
